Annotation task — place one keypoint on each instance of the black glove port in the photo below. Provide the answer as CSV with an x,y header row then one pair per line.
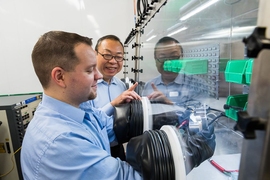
x,y
198,147
163,154
128,121
153,153
150,154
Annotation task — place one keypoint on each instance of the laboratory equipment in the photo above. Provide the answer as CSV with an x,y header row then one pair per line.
x,y
16,112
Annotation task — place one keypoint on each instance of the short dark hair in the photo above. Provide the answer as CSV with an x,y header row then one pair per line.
x,y
165,40
111,37
56,49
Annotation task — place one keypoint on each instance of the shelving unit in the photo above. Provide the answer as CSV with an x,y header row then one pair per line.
x,y
240,72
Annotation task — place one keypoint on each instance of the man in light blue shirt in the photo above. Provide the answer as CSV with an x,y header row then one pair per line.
x,y
62,141
106,93
170,87
111,90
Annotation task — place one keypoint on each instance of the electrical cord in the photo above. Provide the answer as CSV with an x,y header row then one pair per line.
x,y
216,118
142,6
237,108
221,169
13,163
222,114
213,109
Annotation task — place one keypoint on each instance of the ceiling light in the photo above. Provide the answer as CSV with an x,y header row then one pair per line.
x,y
173,27
198,9
150,32
177,31
237,31
152,37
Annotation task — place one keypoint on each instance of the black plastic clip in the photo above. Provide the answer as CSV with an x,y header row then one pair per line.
x,y
136,57
136,70
256,42
247,125
135,45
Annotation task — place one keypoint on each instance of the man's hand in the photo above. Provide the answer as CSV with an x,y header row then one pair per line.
x,y
158,95
126,96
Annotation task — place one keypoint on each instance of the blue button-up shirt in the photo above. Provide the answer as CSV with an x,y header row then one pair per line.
x,y
64,142
106,93
178,91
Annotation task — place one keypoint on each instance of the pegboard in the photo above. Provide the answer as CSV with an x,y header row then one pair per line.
x,y
209,82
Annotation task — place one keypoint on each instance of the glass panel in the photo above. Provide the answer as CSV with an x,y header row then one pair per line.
x,y
213,35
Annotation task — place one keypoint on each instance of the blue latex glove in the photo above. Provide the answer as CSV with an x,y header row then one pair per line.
x,y
199,146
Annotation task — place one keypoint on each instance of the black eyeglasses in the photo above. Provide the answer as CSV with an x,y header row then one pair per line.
x,y
162,60
109,57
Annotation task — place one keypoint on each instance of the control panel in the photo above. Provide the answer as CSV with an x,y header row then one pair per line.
x,y
16,113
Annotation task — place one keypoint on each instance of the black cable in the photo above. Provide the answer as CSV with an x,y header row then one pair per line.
x,y
226,106
216,118
213,109
142,6
139,8
145,5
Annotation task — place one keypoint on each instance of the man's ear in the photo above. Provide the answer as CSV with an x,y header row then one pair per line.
x,y
57,75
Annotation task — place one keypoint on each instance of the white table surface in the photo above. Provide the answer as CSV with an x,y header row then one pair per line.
x,y
206,171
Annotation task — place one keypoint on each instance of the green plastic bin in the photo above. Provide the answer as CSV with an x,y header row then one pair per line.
x,y
235,71
173,65
195,66
239,101
248,72
187,66
222,64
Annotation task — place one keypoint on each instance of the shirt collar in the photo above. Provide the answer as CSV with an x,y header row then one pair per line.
x,y
113,81
63,108
180,79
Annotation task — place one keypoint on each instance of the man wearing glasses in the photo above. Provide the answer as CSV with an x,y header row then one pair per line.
x,y
171,86
168,86
111,90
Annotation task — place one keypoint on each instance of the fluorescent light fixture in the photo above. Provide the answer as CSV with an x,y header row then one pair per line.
x,y
237,31
243,29
199,9
152,37
177,31
174,26
149,32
